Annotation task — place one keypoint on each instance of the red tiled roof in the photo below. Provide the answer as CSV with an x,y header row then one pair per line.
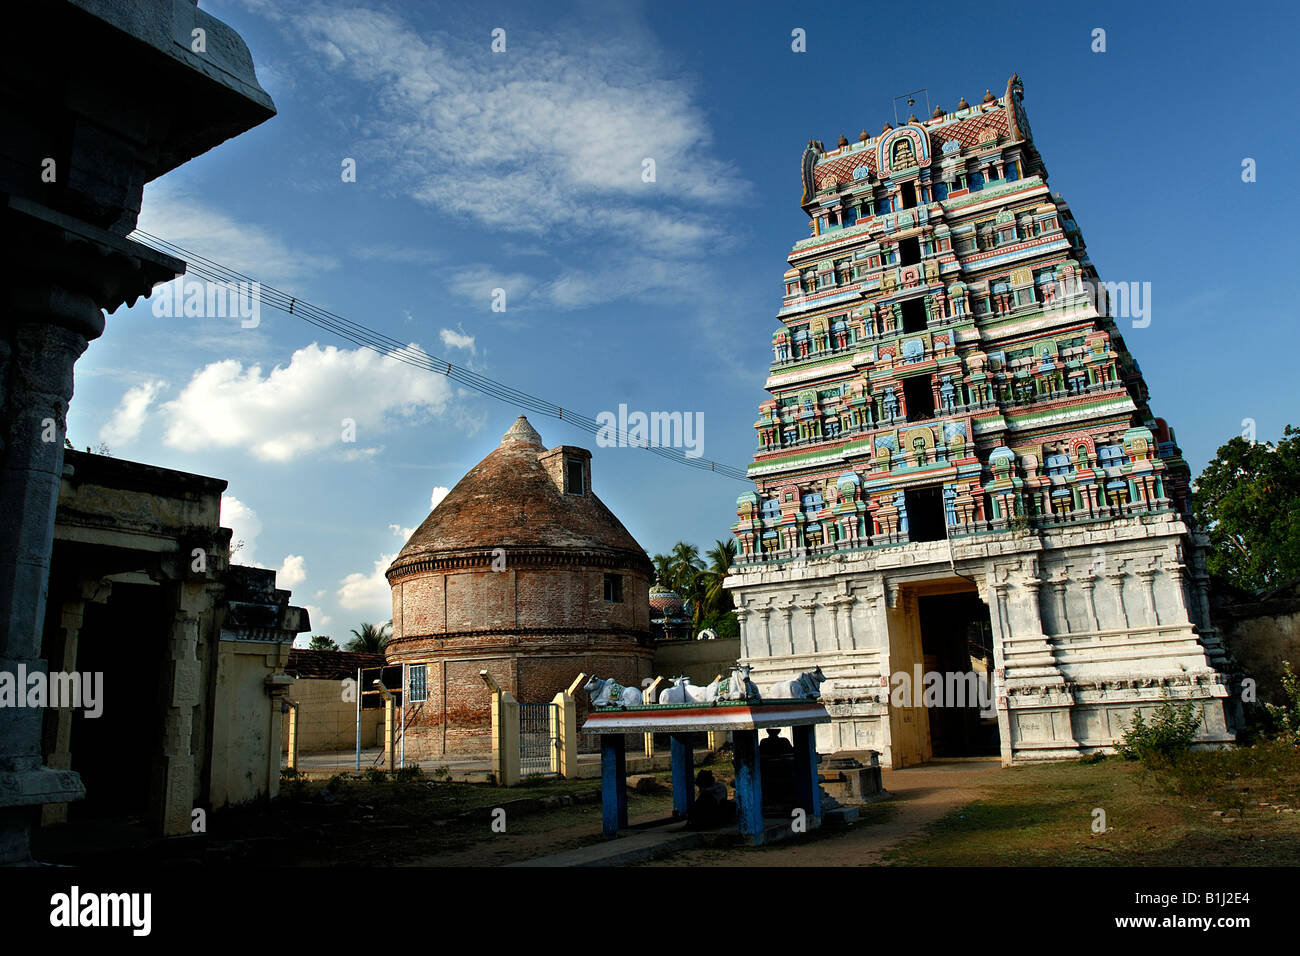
x,y
328,665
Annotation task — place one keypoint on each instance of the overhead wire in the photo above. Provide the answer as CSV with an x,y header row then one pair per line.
x,y
207,269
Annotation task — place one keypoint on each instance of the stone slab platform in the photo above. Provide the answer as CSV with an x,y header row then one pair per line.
x,y
692,718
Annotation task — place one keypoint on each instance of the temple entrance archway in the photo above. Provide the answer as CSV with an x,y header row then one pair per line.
x,y
942,702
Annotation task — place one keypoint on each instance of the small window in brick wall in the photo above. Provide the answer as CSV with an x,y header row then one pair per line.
x,y
417,677
613,589
573,476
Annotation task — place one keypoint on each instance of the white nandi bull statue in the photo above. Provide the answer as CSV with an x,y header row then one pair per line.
x,y
737,686
807,686
684,692
610,693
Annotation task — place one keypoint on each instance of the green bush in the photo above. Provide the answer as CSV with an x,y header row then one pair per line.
x,y
411,774
1285,718
1166,738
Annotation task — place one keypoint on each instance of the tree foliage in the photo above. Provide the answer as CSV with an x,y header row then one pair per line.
x,y
322,642
1248,501
685,573
370,639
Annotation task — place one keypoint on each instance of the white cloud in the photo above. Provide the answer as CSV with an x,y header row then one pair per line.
x,y
172,214
368,593
292,572
435,498
303,407
452,339
477,285
128,419
318,619
403,533
557,133
246,525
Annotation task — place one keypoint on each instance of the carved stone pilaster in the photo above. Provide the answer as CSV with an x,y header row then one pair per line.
x,y
1088,584
1116,581
809,609
1147,577
1058,585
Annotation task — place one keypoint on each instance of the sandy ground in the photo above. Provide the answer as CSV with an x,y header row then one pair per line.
x,y
922,795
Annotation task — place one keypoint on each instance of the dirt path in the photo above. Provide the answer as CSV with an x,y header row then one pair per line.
x,y
922,795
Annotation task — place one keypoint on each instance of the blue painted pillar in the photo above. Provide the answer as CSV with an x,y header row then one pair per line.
x,y
683,774
806,791
613,783
749,786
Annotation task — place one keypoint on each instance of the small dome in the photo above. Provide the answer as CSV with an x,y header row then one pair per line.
x,y
963,105
938,113
989,97
863,137
522,431
911,118
665,602
843,141
509,500
886,128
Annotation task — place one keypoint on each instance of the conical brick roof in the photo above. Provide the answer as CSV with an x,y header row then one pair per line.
x,y
509,501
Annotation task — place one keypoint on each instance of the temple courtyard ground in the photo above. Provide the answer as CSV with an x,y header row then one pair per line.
x,y
1233,808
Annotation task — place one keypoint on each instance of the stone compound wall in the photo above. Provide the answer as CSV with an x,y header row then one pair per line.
x,y
326,722
1260,635
1087,626
701,661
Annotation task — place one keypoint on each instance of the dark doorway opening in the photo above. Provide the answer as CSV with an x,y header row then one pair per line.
x,y
924,514
957,643
913,316
909,251
919,397
908,192
118,752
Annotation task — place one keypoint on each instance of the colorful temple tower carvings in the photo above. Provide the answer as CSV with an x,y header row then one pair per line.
x,y
952,410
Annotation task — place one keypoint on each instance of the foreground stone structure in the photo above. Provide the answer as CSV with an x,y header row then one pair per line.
x,y
523,572
192,650
954,414
100,97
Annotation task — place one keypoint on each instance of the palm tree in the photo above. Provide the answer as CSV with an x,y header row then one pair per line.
x,y
717,599
370,639
686,565
663,568
322,642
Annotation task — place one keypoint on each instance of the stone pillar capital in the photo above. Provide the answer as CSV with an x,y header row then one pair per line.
x,y
66,271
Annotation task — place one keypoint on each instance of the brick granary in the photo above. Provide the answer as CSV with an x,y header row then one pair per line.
x,y
520,571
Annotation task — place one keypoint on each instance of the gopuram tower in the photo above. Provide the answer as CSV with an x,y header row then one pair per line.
x,y
958,472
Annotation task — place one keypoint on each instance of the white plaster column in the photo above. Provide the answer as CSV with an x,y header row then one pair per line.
x,y
742,619
787,611
1088,584
1147,576
809,609
1058,585
765,615
1116,580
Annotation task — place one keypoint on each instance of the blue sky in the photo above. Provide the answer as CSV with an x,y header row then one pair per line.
x,y
522,170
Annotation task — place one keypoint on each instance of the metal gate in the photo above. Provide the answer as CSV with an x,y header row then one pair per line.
x,y
538,747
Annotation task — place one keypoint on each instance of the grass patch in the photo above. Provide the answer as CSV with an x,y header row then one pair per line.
x,y
1159,815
